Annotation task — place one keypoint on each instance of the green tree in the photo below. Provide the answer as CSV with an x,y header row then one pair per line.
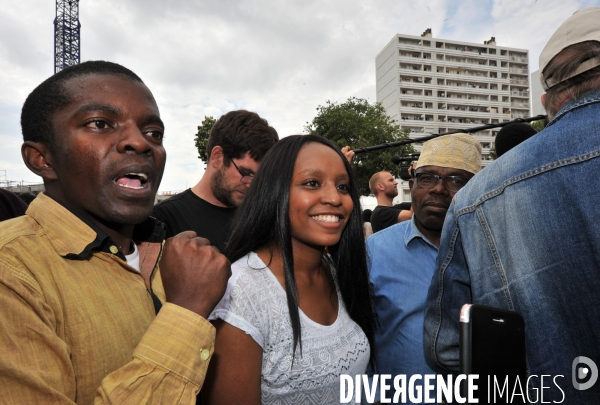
x,y
537,125
357,123
201,138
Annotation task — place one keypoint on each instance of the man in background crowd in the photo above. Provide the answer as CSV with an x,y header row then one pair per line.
x,y
366,217
11,205
509,243
511,135
402,257
237,143
385,187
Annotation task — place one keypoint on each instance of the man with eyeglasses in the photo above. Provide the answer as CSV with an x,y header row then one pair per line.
x,y
402,257
237,143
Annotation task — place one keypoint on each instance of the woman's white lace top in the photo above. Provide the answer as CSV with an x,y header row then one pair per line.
x,y
255,302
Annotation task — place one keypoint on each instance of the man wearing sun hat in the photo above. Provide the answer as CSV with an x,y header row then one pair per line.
x,y
402,257
509,243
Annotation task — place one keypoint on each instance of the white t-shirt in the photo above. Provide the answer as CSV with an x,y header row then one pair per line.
x,y
256,303
133,259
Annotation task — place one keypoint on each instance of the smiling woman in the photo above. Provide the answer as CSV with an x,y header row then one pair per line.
x,y
302,203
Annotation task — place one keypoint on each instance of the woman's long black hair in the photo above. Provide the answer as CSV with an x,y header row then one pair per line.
x,y
263,220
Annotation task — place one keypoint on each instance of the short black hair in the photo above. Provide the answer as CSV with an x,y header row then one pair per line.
x,y
366,215
51,95
239,132
511,135
27,197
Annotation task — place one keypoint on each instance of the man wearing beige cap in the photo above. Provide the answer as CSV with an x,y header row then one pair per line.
x,y
508,241
402,257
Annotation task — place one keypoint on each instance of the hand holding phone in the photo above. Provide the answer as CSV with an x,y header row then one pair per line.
x,y
492,344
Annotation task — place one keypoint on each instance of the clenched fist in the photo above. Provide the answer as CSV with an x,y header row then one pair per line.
x,y
194,274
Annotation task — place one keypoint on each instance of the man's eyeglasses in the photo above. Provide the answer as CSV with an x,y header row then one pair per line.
x,y
430,180
246,176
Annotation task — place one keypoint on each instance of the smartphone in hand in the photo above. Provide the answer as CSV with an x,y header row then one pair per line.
x,y
492,345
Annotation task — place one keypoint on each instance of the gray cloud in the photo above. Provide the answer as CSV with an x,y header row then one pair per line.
x,y
281,59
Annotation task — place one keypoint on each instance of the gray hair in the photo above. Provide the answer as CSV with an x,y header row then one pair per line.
x,y
562,66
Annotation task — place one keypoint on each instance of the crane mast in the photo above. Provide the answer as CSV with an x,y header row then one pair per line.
x,y
67,41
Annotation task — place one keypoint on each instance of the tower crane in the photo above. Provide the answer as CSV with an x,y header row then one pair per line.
x,y
66,34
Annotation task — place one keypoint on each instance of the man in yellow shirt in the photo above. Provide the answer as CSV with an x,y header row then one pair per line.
x,y
86,315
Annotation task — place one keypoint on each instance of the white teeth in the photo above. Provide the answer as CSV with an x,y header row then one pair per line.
x,y
142,176
135,188
326,218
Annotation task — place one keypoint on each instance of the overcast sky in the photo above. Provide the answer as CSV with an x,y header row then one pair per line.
x,y
279,58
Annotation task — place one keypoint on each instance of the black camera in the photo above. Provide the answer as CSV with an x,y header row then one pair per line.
x,y
404,162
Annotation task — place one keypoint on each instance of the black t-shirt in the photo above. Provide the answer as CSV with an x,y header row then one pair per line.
x,y
11,205
383,217
188,212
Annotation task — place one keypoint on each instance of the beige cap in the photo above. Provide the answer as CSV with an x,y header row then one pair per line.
x,y
458,151
583,25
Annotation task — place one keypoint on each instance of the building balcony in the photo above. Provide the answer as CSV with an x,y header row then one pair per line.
x,y
415,110
464,90
519,94
450,102
453,76
486,138
475,55
454,123
413,97
466,65
419,98
518,59
473,108
415,60
416,122
414,47
521,72
473,77
519,82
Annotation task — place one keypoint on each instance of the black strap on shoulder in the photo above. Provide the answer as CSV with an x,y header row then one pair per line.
x,y
156,302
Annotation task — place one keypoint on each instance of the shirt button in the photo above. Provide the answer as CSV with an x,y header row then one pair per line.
x,y
204,354
113,249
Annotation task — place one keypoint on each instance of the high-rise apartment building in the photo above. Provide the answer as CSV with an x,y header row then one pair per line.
x,y
432,85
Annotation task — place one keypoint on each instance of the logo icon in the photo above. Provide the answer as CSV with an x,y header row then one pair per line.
x,y
588,370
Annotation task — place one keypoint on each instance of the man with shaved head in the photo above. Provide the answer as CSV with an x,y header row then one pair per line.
x,y
385,187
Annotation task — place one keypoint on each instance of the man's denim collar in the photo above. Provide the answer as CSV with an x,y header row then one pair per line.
x,y
590,97
413,232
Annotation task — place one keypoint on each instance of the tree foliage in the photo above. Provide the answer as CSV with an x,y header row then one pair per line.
x,y
358,123
201,138
538,125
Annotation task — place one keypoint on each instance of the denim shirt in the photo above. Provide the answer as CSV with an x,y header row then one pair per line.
x,y
523,235
401,264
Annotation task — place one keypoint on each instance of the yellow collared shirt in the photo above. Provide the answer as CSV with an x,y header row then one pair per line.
x,y
84,331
